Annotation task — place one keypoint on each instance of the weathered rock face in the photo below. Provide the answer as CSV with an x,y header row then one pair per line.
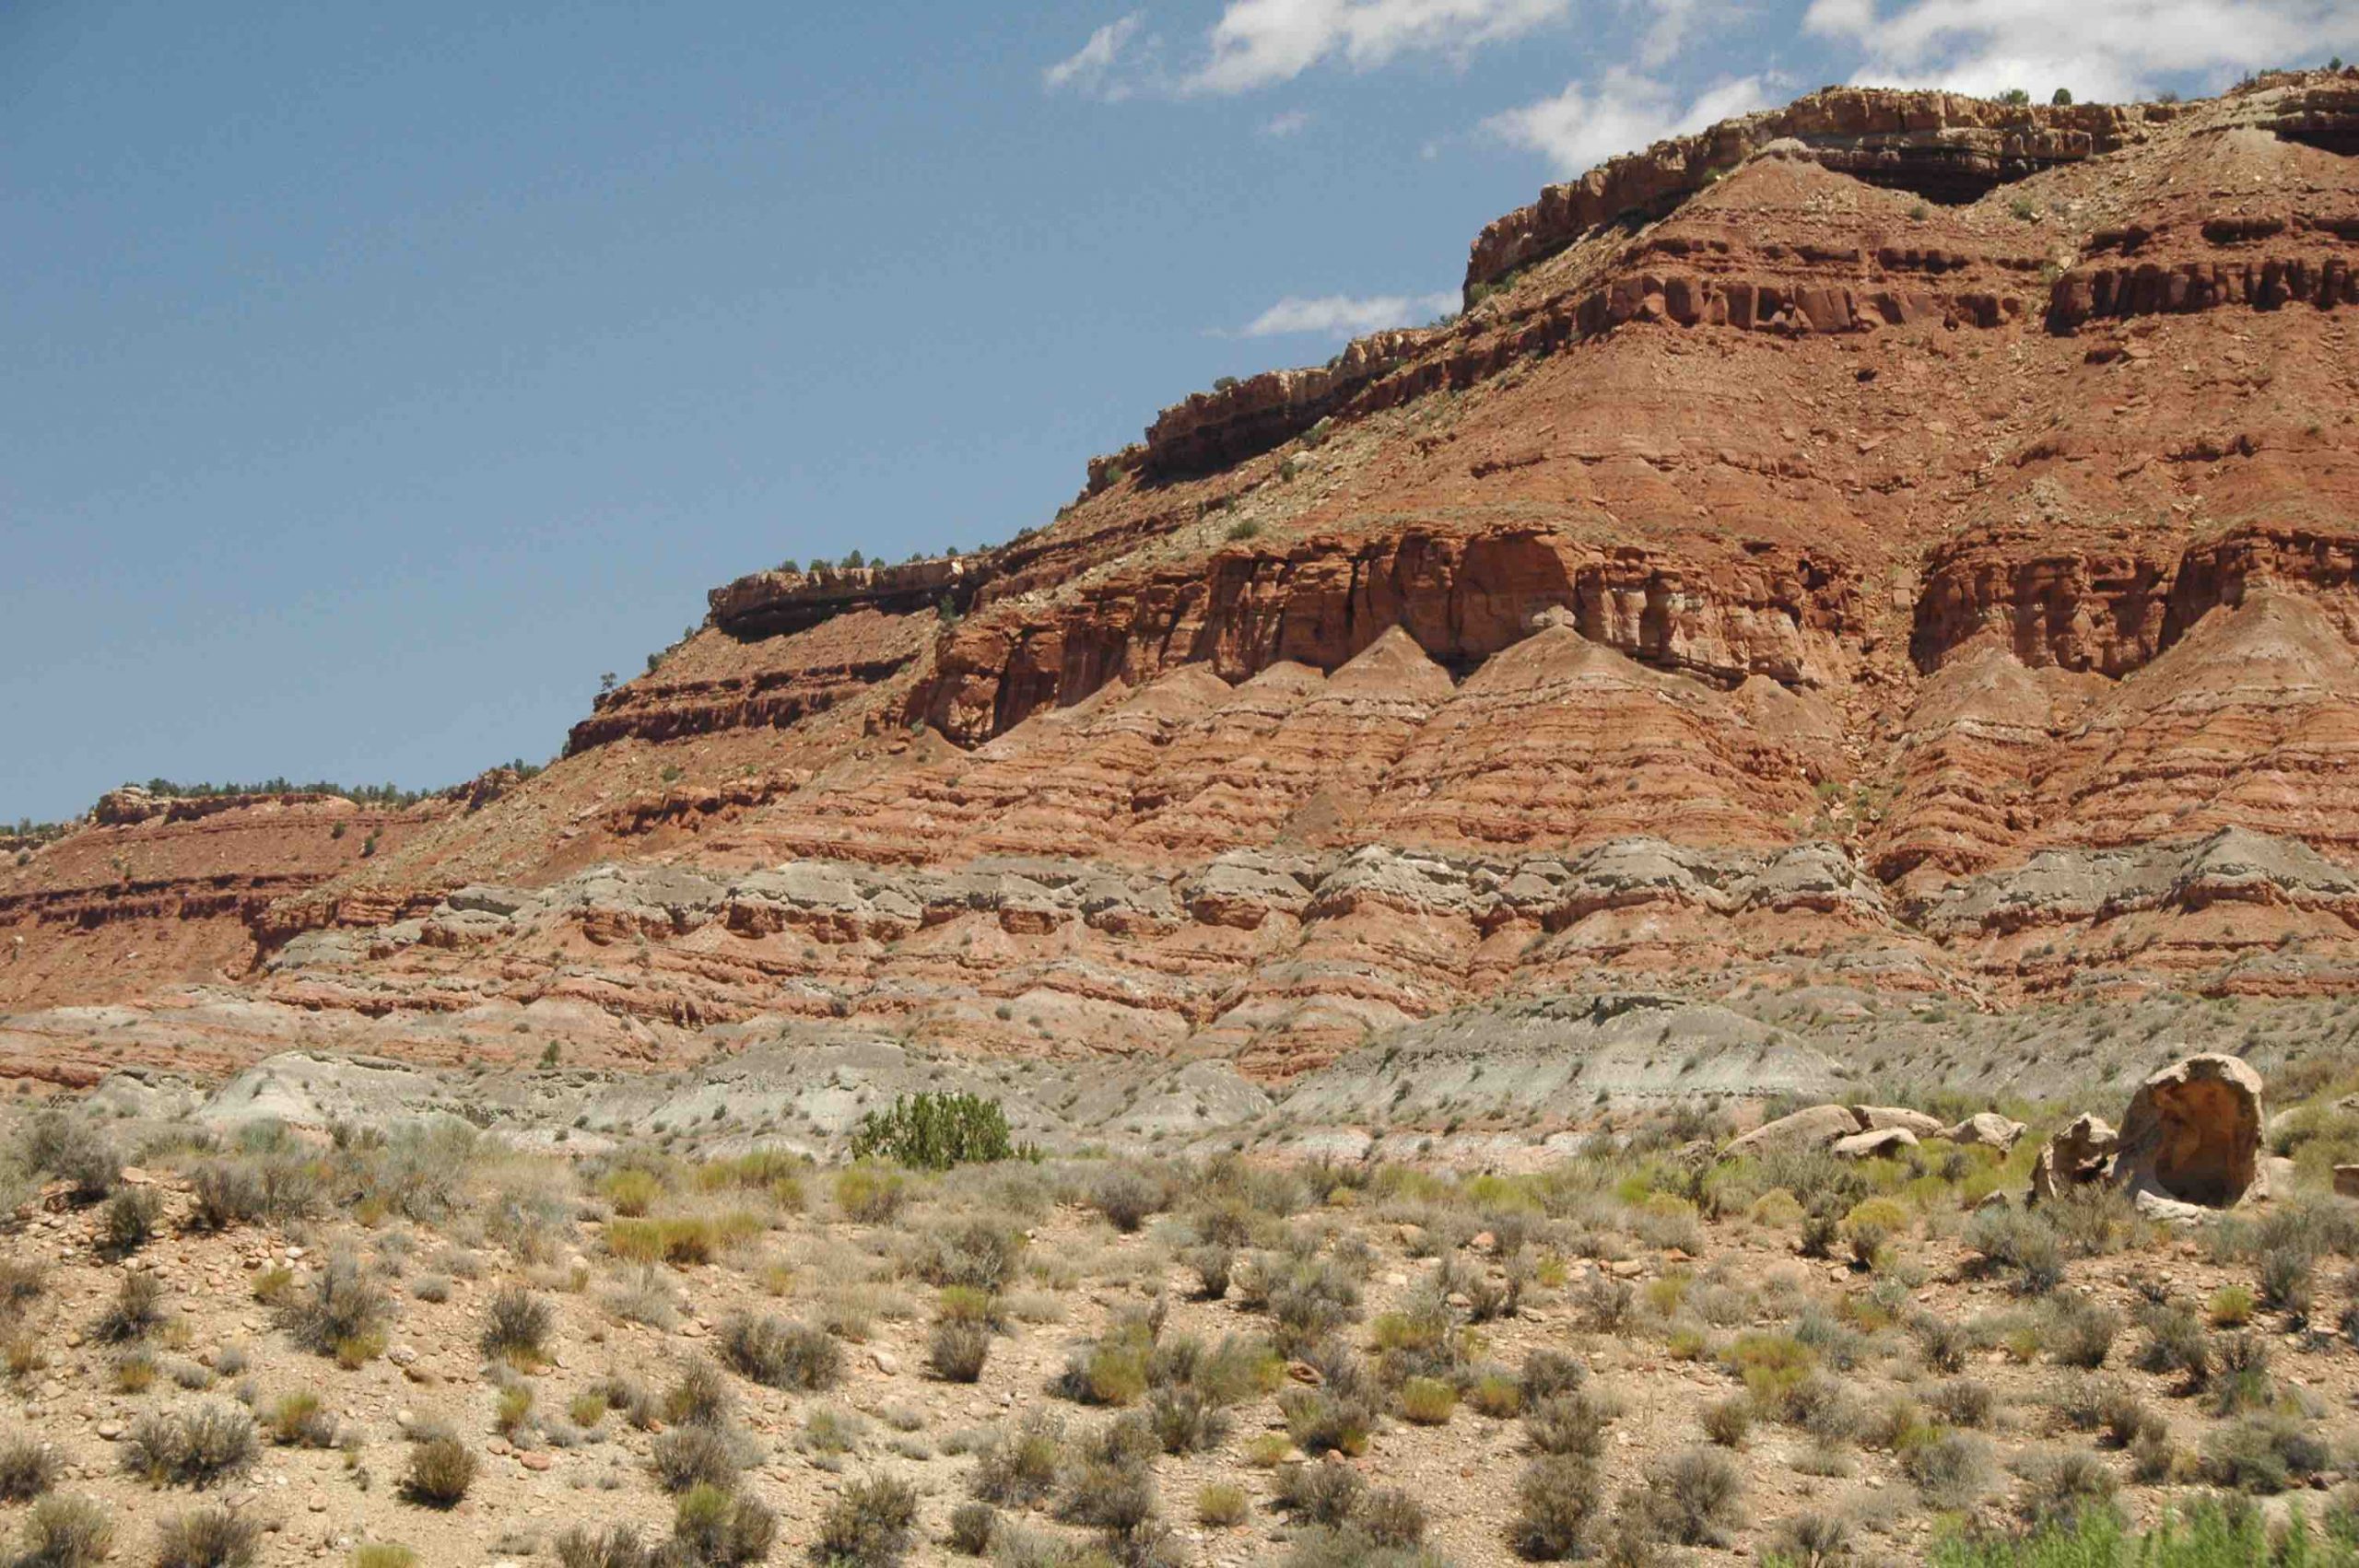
x,y
1899,543
2082,1153
2192,1134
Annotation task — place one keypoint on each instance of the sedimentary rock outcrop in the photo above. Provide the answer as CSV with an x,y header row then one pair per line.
x,y
1898,544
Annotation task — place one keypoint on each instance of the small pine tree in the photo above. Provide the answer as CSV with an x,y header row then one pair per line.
x,y
2015,95
935,1131
2063,98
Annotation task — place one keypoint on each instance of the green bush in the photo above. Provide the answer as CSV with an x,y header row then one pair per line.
x,y
935,1131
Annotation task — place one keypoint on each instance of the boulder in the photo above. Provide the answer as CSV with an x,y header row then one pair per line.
x,y
1812,1128
1986,1128
1877,1119
2192,1134
1869,1145
2079,1153
2346,1181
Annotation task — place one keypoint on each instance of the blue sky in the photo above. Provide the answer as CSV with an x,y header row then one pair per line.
x,y
379,375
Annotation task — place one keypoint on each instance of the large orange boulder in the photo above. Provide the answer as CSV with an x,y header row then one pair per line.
x,y
2192,1134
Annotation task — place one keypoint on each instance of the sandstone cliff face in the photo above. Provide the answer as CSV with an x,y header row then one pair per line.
x,y
1896,543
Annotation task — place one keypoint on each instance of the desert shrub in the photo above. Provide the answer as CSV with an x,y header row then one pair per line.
x,y
2231,1307
973,1253
1548,1372
1185,1420
2093,1220
2066,1484
1222,1504
1728,1422
1019,1468
935,1131
2009,1238
1558,1508
1310,1303
688,1456
972,1525
956,1351
137,1311
1321,1492
778,1355
1322,1422
26,1469
870,1194
2240,1381
1606,1304
699,1396
1212,1263
617,1546
1869,1227
1126,1196
71,1149
1569,1423
1392,1519
197,1447
298,1420
1811,1540
1963,1401
129,1221
1942,1342
64,1532
2175,1342
207,1538
1494,1394
1950,1467
440,1469
2265,1453
1109,1486
2080,1332
516,1325
342,1315
1695,1497
2286,1280
713,1529
1427,1401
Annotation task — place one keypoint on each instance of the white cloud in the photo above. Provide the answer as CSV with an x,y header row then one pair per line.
x,y
1286,124
1624,112
1091,68
2101,49
1674,21
1340,315
1257,43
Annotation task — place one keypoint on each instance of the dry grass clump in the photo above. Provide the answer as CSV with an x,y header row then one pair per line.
x,y
871,1194
871,1523
956,1350
207,1538
195,1447
1695,1497
129,1221
1222,1504
1018,1468
975,1253
778,1355
516,1327
343,1314
690,1457
441,1471
64,1532
719,1529
617,1546
137,1311
26,1469
300,1421
1559,1507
